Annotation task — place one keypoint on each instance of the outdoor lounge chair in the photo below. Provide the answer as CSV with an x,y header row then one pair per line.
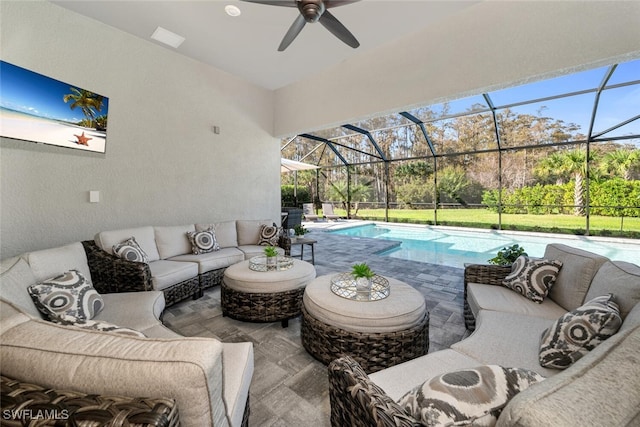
x,y
327,212
308,211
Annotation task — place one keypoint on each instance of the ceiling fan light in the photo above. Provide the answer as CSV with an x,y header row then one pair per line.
x,y
232,10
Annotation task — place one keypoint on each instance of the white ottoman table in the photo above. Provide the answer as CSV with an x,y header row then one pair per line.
x,y
377,334
264,296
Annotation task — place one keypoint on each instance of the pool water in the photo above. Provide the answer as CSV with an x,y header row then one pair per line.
x,y
455,247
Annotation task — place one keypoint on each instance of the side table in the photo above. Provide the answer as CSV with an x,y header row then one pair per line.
x,y
304,241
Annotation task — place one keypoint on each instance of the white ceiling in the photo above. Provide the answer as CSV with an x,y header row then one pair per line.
x,y
246,46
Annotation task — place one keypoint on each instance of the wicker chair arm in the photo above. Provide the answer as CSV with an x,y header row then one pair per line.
x,y
358,402
486,274
111,274
22,401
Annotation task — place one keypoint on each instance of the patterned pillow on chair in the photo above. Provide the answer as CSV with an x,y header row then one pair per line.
x,y
203,242
69,294
579,331
269,235
130,250
532,277
473,396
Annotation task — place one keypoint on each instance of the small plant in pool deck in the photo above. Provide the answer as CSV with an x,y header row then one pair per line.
x,y
507,255
270,251
362,270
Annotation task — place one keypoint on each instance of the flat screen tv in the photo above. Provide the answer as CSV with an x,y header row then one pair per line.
x,y
37,108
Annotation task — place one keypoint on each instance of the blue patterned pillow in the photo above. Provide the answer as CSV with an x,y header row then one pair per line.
x,y
473,396
532,277
69,294
130,250
578,332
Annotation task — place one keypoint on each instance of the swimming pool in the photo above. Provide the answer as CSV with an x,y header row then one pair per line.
x,y
455,247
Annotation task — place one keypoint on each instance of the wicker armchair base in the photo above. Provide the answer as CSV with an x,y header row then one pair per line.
x,y
211,278
373,351
358,402
261,307
182,290
29,404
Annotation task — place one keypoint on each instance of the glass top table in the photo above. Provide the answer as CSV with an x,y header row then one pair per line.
x,y
344,285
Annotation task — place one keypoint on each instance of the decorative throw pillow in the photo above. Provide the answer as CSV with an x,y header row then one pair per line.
x,y
579,331
203,242
131,251
532,277
269,235
69,294
474,396
97,325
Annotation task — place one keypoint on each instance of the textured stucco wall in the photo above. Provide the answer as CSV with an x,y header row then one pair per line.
x,y
490,45
163,165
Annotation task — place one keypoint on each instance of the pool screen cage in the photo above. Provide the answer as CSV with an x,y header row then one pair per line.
x,y
492,156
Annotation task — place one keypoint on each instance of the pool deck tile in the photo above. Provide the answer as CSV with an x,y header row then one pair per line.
x,y
289,386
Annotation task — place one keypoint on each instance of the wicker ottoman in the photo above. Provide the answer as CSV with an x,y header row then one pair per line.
x,y
377,334
264,296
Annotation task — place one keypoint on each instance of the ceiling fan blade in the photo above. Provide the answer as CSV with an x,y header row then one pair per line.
x,y
337,29
335,3
288,3
293,32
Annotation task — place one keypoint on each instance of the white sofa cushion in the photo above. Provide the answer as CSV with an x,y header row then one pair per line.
x,y
16,277
213,260
237,359
601,389
499,298
574,278
249,231
136,310
173,241
620,278
506,339
186,369
48,263
168,273
11,315
399,379
145,237
226,233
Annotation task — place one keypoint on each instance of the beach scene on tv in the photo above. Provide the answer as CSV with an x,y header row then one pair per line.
x,y
37,108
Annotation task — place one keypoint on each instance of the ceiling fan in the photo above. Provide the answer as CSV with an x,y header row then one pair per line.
x,y
313,11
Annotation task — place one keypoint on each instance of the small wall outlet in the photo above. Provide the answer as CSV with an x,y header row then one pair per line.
x,y
94,196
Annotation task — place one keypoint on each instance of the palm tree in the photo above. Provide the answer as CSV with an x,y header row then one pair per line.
x,y
574,162
89,102
621,162
550,168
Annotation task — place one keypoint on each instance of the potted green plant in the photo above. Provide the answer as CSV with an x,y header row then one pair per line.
x,y
507,255
299,231
272,256
362,274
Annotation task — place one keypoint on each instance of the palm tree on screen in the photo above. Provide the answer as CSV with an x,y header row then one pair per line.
x,y
89,102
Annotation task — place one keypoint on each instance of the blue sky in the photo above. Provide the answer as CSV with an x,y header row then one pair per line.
x,y
29,92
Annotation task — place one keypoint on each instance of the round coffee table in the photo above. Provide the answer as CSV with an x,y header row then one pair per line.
x,y
377,334
264,296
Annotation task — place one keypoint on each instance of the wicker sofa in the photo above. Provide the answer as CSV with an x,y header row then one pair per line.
x,y
602,388
172,268
92,377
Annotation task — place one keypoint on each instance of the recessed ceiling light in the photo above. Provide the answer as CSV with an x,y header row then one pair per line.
x,y
167,37
232,10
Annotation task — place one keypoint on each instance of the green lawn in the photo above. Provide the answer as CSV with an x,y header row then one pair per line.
x,y
483,218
